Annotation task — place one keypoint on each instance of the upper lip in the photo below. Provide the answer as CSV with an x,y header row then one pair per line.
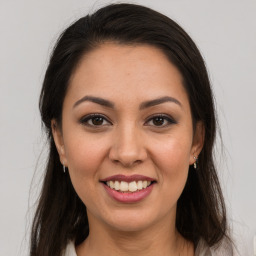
x,y
121,177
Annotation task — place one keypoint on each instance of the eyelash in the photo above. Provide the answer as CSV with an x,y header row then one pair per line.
x,y
85,120
166,118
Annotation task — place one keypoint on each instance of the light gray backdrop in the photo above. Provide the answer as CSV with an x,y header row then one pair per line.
x,y
225,31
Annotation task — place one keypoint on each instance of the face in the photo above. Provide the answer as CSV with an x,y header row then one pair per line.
x,y
127,136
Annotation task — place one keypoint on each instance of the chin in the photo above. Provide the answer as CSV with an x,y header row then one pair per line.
x,y
130,221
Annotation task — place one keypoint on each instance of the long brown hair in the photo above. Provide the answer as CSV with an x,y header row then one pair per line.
x,y
61,215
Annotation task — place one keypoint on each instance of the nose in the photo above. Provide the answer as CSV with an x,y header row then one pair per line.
x,y
128,147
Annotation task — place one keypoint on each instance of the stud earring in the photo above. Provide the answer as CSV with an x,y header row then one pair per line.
x,y
195,163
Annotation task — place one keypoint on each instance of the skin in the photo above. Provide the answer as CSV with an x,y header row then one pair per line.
x,y
128,140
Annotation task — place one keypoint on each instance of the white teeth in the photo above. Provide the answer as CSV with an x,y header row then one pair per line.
x,y
111,184
132,186
144,184
124,186
139,184
117,185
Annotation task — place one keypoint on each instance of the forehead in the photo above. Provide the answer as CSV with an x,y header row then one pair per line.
x,y
126,71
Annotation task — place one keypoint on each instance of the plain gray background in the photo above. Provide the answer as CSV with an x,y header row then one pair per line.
x,y
224,30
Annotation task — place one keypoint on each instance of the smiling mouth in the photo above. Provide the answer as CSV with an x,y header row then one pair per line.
x,y
128,189
133,186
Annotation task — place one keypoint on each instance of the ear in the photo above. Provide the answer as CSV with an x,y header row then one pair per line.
x,y
198,141
58,139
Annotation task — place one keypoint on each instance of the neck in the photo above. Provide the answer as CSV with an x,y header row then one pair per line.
x,y
158,239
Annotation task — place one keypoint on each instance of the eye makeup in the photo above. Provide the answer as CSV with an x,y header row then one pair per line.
x,y
97,120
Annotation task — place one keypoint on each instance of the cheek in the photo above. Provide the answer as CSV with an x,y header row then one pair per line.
x,y
84,155
174,152
172,159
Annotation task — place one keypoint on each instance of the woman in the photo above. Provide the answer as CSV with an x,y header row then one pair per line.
x,y
129,113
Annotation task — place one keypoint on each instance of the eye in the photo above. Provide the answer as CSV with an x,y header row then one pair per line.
x,y
160,121
94,120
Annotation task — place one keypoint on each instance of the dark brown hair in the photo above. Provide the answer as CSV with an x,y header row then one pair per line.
x,y
61,215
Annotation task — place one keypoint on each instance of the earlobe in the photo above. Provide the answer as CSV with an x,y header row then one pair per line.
x,y
198,141
58,140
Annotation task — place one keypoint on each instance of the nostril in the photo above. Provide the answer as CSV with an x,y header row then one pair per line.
x,y
126,163
128,152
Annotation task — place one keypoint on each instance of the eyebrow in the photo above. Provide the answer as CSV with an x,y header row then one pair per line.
x,y
100,101
158,101
143,105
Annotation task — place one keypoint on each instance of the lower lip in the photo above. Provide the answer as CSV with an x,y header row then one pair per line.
x,y
131,197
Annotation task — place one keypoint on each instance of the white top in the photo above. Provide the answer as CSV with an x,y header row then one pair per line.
x,y
224,249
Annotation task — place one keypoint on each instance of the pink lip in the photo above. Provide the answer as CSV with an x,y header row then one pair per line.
x,y
128,197
121,177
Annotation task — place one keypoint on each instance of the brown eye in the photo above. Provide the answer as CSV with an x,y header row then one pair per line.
x,y
158,121
161,121
97,120
94,120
